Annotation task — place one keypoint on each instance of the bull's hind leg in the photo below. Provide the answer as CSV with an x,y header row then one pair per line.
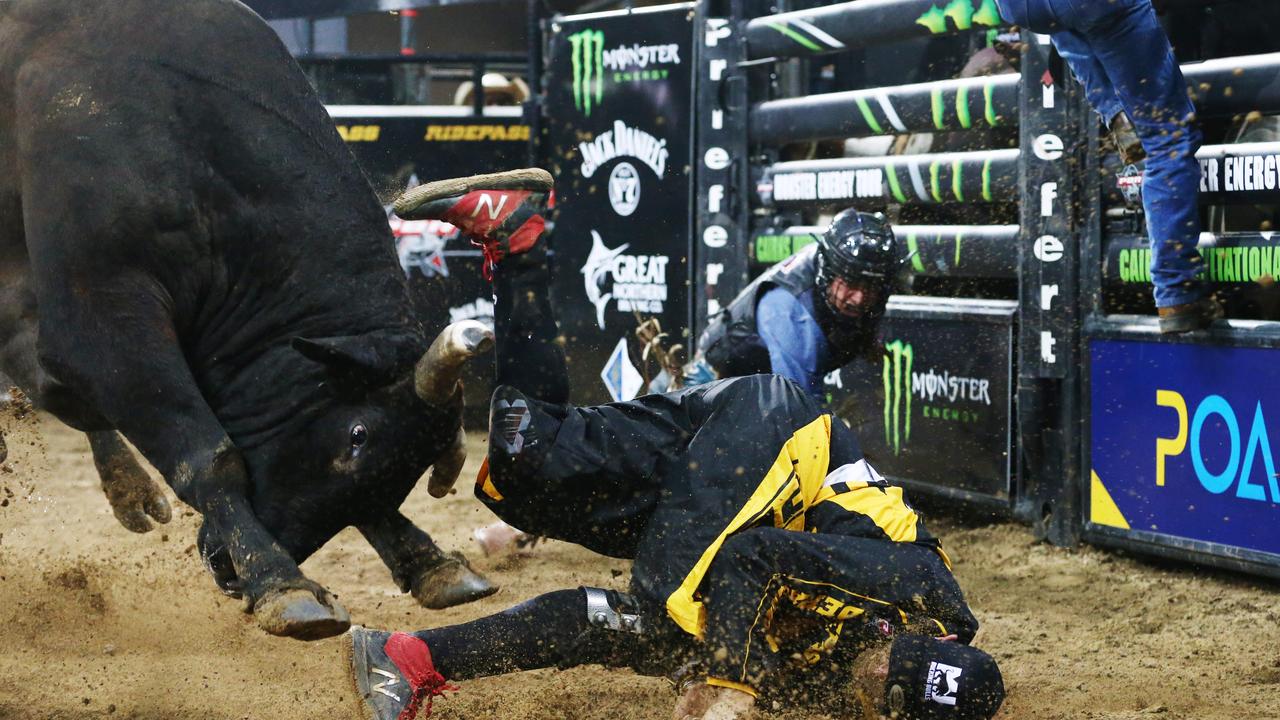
x,y
138,378
152,398
131,492
436,580
104,239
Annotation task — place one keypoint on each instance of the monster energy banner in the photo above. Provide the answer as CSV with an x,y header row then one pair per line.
x,y
619,99
935,405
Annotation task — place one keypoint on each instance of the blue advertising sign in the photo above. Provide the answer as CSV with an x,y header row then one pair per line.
x,y
1182,441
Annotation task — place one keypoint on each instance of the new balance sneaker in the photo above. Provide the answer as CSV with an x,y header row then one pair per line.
x,y
392,674
502,212
516,442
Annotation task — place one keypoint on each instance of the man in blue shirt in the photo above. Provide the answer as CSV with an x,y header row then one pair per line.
x,y
1118,50
811,313
797,348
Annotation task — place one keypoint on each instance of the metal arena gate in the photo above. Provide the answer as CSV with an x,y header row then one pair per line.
x,y
1024,373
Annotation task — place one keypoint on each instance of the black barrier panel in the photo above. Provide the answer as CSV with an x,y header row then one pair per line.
x,y
1229,86
395,144
837,27
619,93
968,177
1057,132
968,104
945,251
935,409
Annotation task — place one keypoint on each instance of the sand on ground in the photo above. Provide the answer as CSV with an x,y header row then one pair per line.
x,y
99,622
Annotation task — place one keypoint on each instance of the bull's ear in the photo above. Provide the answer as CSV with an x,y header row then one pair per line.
x,y
375,358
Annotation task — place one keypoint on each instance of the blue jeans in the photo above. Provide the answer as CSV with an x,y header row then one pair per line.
x,y
1089,71
1118,50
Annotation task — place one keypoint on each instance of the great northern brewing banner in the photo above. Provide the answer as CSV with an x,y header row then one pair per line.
x,y
619,88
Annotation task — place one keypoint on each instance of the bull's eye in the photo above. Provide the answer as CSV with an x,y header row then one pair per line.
x,y
359,437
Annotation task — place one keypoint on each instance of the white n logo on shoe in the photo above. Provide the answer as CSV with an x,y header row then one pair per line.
x,y
391,679
487,199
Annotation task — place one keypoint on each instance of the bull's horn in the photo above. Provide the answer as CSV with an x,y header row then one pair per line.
x,y
445,471
436,376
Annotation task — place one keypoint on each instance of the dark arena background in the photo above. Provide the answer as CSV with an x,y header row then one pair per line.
x,y
1109,495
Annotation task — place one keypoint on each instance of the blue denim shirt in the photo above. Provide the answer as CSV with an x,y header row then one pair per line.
x,y
797,347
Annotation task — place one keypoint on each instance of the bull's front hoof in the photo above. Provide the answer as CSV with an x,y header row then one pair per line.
x,y
450,583
298,614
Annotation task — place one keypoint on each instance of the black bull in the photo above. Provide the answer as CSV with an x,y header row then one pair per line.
x,y
190,256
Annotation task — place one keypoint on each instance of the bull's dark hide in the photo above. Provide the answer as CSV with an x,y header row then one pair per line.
x,y
190,256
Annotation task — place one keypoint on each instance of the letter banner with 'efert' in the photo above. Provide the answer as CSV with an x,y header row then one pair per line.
x,y
1183,441
619,102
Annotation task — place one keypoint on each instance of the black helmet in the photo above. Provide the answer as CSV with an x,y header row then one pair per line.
x,y
859,248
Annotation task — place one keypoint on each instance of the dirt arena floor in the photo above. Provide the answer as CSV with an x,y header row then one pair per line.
x,y
102,623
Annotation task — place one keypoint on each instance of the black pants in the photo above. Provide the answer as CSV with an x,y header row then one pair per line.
x,y
528,356
788,612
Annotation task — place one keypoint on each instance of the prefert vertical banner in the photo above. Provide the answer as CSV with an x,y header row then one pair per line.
x,y
719,238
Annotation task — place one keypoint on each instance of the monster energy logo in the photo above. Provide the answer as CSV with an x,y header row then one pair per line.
x,y
587,56
965,14
897,394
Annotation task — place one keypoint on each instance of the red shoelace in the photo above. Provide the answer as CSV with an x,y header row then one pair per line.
x,y
492,254
413,658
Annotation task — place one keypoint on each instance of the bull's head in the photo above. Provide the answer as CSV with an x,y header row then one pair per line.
x,y
363,432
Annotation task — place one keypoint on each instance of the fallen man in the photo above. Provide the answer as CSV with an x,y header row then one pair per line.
x,y
770,559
